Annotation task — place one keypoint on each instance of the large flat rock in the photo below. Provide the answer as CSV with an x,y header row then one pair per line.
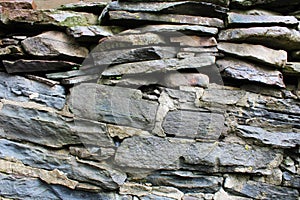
x,y
54,44
242,70
258,53
117,105
274,37
120,17
21,89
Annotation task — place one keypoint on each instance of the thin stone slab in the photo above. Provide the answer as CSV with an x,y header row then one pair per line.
x,y
120,17
91,33
259,53
274,37
54,44
37,65
242,70
194,41
292,68
218,2
159,65
19,4
236,19
184,7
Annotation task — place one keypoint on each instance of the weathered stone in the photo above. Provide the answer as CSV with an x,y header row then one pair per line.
x,y
129,40
292,68
236,19
199,50
46,81
291,180
53,44
174,80
37,65
94,153
159,66
118,17
188,124
50,17
18,88
277,139
123,132
90,7
107,58
90,33
171,28
19,4
259,190
121,106
242,70
11,50
62,75
194,41
259,53
8,41
274,37
159,153
265,90
218,2
187,181
184,7
221,195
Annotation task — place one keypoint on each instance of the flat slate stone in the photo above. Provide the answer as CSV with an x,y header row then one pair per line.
x,y
117,105
292,68
277,139
54,44
218,2
172,28
236,19
120,17
91,33
21,89
37,65
274,37
194,41
47,17
242,70
20,4
175,80
259,53
196,125
159,65
183,7
291,180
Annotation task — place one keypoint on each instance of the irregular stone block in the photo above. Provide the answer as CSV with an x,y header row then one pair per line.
x,y
11,50
47,17
242,70
274,37
118,17
194,41
198,125
20,4
117,105
236,19
292,68
53,44
107,58
258,190
175,80
278,139
18,88
291,180
37,65
91,33
159,65
259,53
184,7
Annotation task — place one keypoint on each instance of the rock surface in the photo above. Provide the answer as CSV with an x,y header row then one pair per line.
x,y
20,4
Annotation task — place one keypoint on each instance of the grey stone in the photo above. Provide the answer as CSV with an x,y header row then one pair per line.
x,y
259,53
159,65
292,68
277,139
91,33
291,180
117,105
118,17
188,182
11,51
18,88
259,190
194,41
218,2
175,80
53,44
37,65
184,7
47,17
171,28
236,19
107,58
197,125
242,70
274,37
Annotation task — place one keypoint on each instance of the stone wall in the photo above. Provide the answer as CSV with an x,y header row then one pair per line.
x,y
139,100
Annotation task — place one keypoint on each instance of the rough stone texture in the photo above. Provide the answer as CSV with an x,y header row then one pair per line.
x,y
12,51
242,70
194,41
118,17
291,180
53,44
276,58
292,68
37,66
122,106
21,89
274,37
20,4
218,2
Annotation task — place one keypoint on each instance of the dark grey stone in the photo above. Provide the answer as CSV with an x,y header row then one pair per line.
x,y
291,180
